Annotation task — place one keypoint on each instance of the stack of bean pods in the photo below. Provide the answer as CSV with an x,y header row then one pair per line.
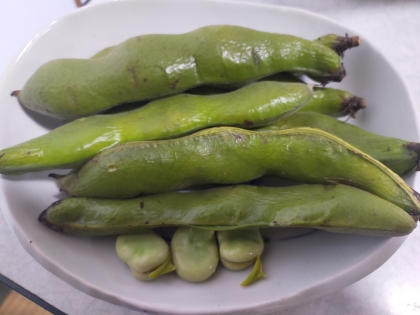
x,y
243,113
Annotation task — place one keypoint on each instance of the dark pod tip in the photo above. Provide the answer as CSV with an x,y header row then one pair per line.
x,y
327,78
351,105
15,93
55,176
43,217
417,195
344,43
415,147
44,214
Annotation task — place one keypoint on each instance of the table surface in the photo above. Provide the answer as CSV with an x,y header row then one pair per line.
x,y
392,26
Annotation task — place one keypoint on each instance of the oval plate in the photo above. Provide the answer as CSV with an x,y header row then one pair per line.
x,y
298,268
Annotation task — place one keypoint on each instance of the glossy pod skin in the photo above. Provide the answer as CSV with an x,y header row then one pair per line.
x,y
228,155
334,102
195,253
337,43
329,101
151,66
145,253
71,145
240,248
398,155
335,208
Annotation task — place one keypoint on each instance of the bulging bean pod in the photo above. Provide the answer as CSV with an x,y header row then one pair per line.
x,y
399,155
335,208
71,145
334,102
337,43
329,101
239,248
151,66
228,155
195,253
147,254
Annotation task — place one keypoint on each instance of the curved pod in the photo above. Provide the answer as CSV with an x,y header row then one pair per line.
x,y
335,208
399,155
151,66
227,155
71,145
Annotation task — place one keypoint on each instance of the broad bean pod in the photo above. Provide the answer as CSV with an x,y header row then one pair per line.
x,y
329,101
227,155
151,66
73,144
337,43
399,155
334,208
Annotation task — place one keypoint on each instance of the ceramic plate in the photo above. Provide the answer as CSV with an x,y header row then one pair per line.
x,y
298,269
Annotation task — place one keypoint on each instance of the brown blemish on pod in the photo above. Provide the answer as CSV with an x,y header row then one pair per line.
x,y
111,167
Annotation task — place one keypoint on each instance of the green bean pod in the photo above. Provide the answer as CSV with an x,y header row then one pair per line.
x,y
239,248
334,102
73,144
228,155
337,43
398,155
334,208
329,101
195,253
151,66
147,254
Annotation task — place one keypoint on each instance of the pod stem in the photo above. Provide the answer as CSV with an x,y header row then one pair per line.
x,y
344,43
351,105
15,93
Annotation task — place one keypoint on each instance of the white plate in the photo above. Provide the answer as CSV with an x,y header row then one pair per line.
x,y
298,269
